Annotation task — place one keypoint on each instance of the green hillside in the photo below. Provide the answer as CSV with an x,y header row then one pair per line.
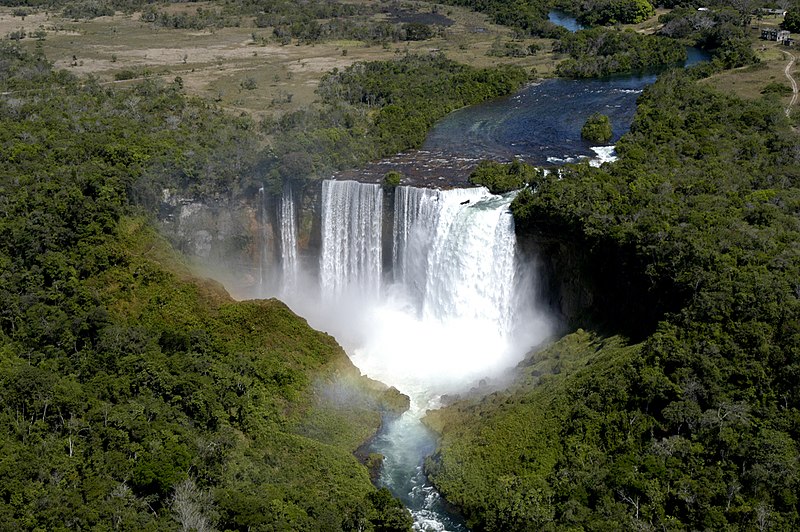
x,y
132,395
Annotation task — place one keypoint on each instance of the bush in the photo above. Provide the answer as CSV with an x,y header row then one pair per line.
x,y
597,128
500,178
392,179
606,12
249,83
131,73
418,32
791,21
87,10
510,49
776,88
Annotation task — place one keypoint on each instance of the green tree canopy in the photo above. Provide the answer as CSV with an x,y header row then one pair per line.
x,y
791,21
597,128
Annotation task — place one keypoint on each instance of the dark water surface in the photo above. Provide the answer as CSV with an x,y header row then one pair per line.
x,y
540,124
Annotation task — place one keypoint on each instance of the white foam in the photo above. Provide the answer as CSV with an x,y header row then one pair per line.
x,y
605,154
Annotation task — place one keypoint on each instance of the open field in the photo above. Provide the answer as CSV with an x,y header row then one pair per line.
x,y
748,82
243,68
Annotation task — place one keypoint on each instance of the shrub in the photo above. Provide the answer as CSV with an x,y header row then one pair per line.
x,y
597,128
392,179
776,88
500,178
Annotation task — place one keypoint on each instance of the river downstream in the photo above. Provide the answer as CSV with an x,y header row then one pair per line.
x,y
454,305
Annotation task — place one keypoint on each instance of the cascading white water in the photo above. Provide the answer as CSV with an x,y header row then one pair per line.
x,y
446,321
288,233
448,318
350,262
416,210
453,253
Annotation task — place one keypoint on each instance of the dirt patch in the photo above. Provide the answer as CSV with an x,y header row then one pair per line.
x,y
29,23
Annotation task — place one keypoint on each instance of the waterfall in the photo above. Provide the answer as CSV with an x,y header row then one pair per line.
x,y
453,304
416,210
350,262
444,320
263,252
453,253
288,233
471,266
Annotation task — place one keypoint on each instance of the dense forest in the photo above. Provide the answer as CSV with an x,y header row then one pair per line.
x,y
133,396
697,427
601,52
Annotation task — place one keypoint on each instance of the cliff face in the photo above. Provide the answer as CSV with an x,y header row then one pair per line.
x,y
595,285
559,265
229,239
237,240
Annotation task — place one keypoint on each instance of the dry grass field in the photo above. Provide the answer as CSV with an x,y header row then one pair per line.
x,y
244,68
748,82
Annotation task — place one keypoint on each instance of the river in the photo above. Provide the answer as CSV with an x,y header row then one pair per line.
x,y
540,125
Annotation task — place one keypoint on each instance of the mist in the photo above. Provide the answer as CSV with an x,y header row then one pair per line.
x,y
458,307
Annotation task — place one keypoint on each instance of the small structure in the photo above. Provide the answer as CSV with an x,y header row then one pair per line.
x,y
774,34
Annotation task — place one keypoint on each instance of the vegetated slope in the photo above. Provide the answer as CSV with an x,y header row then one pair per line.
x,y
133,396
497,453
698,427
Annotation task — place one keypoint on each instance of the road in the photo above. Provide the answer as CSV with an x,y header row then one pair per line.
x,y
788,72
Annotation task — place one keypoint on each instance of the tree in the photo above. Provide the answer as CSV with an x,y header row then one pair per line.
x,y
500,178
597,128
392,179
791,22
606,12
417,32
191,506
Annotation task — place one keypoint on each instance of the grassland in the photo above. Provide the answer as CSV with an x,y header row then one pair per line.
x,y
243,69
749,82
